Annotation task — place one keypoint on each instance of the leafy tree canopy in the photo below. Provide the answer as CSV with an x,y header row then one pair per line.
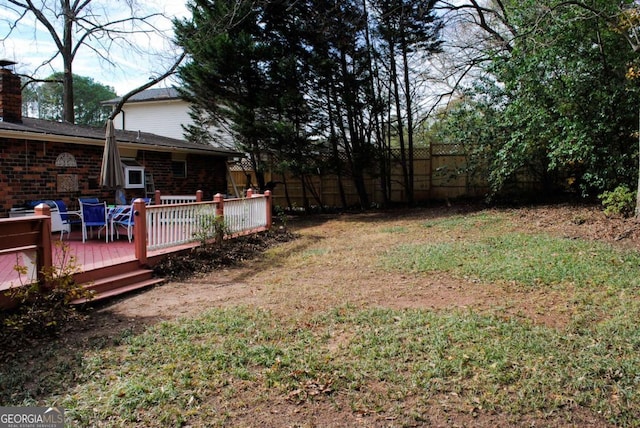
x,y
558,107
88,95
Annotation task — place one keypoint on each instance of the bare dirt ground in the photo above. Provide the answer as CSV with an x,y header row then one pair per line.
x,y
292,278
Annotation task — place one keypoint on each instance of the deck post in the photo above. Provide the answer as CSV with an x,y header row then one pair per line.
x,y
199,196
140,229
219,201
267,195
44,258
157,199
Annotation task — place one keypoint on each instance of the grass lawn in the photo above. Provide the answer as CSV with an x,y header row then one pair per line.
x,y
427,317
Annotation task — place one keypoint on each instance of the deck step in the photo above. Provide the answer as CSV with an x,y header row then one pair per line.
x,y
121,290
118,280
115,281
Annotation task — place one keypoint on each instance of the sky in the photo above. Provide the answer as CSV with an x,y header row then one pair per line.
x,y
29,45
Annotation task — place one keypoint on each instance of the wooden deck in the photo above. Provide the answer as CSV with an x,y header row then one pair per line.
x,y
110,268
91,255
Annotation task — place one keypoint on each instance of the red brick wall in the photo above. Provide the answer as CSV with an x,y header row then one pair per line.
x,y
28,172
10,97
206,173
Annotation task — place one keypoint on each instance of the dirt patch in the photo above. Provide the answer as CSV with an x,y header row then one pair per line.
x,y
333,262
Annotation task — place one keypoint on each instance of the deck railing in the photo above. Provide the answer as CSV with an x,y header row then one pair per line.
x,y
245,214
29,238
171,225
176,199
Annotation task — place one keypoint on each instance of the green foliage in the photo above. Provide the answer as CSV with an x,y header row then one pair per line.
x,y
43,310
621,201
210,227
87,95
556,107
281,216
298,83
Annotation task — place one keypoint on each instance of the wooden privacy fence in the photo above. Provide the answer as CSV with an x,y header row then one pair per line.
x,y
441,171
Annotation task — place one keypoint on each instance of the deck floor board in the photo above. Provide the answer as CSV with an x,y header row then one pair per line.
x,y
92,254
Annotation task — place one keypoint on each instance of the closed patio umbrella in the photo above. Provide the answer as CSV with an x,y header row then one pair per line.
x,y
111,173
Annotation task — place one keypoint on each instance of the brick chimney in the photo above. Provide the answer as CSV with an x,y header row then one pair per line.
x,y
10,94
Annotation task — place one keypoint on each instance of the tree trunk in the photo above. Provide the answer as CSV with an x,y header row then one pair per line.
x,y
638,190
68,110
409,106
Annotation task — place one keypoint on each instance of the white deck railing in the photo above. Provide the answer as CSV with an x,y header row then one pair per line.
x,y
176,224
170,225
177,199
246,214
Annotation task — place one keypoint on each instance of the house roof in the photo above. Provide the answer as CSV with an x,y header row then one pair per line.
x,y
46,130
155,94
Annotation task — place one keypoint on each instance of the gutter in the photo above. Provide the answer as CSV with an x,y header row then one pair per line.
x,y
87,141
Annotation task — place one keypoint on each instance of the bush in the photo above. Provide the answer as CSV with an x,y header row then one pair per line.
x,y
43,311
620,201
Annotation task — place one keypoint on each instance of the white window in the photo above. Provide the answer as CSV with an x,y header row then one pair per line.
x,y
133,174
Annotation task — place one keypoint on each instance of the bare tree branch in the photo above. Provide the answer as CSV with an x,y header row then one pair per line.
x,y
72,25
118,108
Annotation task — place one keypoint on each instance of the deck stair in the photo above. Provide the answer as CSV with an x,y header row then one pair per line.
x,y
117,279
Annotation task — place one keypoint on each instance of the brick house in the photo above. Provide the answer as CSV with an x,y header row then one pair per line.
x,y
42,159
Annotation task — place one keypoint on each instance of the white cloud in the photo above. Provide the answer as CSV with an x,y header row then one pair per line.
x,y
30,45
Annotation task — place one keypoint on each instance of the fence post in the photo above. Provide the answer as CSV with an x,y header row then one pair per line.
x,y
44,258
267,195
140,229
157,199
199,196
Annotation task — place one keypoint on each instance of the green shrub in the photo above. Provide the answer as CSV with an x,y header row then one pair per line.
x,y
620,201
211,228
43,309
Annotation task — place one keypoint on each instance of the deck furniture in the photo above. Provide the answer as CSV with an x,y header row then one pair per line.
x,y
124,216
58,223
89,200
67,218
94,215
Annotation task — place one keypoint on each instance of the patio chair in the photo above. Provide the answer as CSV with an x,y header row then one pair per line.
x,y
125,218
62,217
94,215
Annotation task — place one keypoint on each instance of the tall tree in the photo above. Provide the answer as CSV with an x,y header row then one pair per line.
x,y
226,78
341,64
93,25
406,28
294,75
